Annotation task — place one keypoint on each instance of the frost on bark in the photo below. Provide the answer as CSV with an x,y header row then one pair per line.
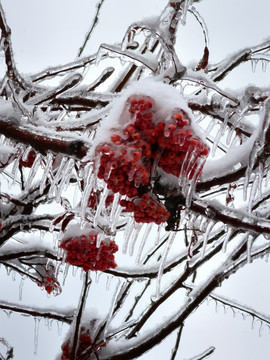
x,y
149,174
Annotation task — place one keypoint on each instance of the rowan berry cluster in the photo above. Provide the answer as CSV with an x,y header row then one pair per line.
x,y
83,252
146,210
148,142
84,343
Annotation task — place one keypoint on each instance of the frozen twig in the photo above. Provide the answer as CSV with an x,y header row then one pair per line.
x,y
93,25
65,317
205,354
241,308
177,342
12,72
78,318
43,143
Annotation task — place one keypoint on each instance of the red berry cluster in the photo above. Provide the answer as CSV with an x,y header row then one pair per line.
x,y
51,284
178,142
126,164
83,252
84,344
28,162
146,210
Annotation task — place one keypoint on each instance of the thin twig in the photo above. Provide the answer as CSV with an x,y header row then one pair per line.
x,y
177,342
94,24
78,318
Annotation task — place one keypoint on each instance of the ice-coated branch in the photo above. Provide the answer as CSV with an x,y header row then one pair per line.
x,y
221,70
245,310
23,222
236,218
42,143
65,317
205,58
170,17
67,84
150,341
12,72
67,68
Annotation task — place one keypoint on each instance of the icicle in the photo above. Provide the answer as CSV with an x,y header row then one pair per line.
x,y
114,206
210,127
254,65
264,65
102,199
8,313
48,168
163,261
228,234
21,288
108,282
143,241
199,118
116,216
253,191
190,187
158,235
76,195
65,273
135,235
88,183
8,270
186,5
46,322
59,327
249,247
235,122
253,322
260,174
113,302
50,323
127,234
82,274
220,133
64,257
16,163
42,235
261,329
13,275
74,270
249,170
57,177
98,274
36,331
33,171
60,253
67,171
187,162
206,235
